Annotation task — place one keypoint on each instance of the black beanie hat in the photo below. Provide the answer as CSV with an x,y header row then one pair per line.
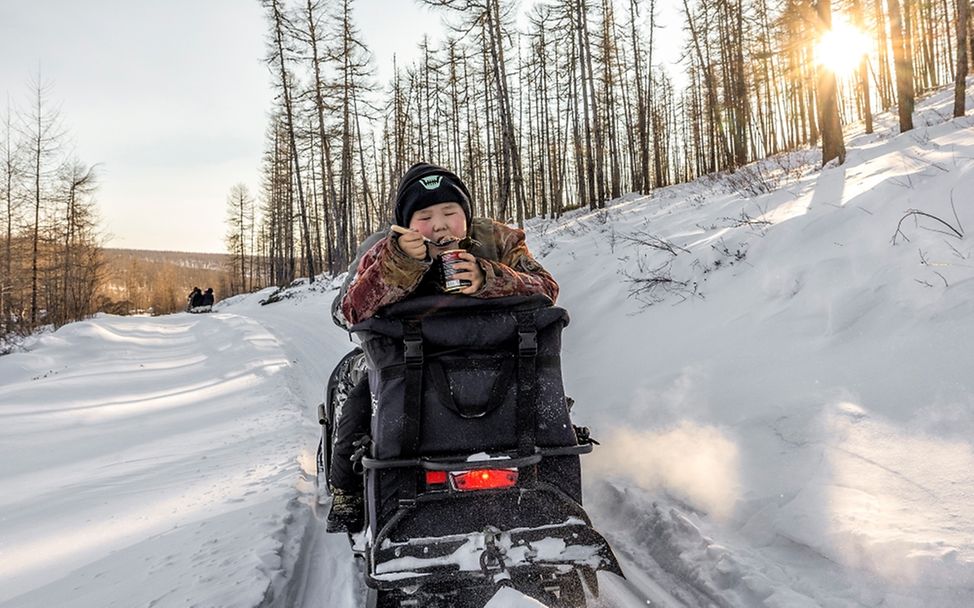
x,y
425,185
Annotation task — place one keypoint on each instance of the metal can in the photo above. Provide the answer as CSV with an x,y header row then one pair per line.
x,y
447,260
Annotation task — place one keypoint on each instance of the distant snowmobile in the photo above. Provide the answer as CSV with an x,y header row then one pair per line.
x,y
200,301
472,473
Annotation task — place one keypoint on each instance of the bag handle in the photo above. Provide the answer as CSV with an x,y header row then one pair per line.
x,y
441,385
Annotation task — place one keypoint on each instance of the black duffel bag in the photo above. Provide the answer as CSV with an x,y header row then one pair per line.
x,y
452,374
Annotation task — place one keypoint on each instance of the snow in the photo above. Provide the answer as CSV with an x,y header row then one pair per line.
x,y
484,457
787,423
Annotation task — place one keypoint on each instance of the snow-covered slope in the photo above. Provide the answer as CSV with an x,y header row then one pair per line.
x,y
785,403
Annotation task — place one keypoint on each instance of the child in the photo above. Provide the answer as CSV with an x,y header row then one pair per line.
x,y
434,204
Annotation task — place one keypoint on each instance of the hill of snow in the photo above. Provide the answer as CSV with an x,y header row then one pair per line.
x,y
777,363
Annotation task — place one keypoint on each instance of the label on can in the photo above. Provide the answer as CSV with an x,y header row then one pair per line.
x,y
447,260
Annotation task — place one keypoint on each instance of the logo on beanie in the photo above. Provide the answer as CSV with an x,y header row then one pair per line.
x,y
431,182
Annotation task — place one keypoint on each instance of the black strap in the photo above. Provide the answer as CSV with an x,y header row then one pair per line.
x,y
527,406
412,407
391,372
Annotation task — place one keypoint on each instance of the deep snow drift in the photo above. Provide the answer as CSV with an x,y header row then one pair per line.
x,y
777,363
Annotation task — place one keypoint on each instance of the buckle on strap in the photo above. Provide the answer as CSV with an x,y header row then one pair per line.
x,y
413,351
412,340
527,334
527,343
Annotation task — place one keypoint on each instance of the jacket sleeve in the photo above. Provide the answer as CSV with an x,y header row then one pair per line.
x,y
384,276
517,272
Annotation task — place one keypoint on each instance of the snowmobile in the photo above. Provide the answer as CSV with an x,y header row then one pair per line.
x,y
472,474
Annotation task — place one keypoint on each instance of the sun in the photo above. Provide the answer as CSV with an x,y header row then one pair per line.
x,y
841,48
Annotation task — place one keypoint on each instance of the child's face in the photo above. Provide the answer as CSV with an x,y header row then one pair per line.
x,y
439,221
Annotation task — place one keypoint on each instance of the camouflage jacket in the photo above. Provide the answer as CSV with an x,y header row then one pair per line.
x,y
385,274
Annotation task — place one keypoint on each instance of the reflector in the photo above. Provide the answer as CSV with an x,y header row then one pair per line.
x,y
484,479
435,478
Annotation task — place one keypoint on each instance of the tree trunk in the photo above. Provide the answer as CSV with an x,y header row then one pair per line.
x,y
859,22
830,126
329,195
960,78
884,78
37,153
642,184
285,88
904,67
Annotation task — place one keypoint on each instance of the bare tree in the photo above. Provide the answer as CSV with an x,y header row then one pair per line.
x,y
10,175
859,21
80,259
329,195
904,66
240,220
833,145
960,76
44,138
277,55
488,17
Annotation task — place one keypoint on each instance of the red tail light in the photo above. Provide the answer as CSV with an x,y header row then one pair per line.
x,y
435,478
484,479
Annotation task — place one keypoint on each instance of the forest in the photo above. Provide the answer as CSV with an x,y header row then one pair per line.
x,y
566,108
540,107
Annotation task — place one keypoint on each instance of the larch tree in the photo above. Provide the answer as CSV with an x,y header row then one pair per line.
x,y
277,57
10,173
240,220
489,18
960,74
830,126
314,13
80,262
44,136
903,63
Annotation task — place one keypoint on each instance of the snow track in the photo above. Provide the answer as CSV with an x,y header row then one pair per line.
x,y
319,569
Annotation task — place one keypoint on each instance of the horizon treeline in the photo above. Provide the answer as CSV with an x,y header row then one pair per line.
x,y
50,251
157,282
570,110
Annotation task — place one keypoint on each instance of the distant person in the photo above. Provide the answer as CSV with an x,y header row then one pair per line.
x,y
195,298
208,297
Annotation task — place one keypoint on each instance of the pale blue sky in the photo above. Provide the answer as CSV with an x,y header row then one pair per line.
x,y
170,97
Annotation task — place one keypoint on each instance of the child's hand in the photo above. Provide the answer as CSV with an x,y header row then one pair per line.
x,y
413,244
470,270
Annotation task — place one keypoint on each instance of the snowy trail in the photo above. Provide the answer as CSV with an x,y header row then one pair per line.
x,y
318,568
182,431
127,440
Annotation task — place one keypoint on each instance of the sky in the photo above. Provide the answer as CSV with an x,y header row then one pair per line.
x,y
169,99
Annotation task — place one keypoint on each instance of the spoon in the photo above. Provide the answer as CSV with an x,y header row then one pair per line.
x,y
444,241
